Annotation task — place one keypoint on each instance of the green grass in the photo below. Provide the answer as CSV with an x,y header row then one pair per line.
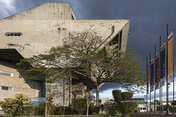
x,y
76,115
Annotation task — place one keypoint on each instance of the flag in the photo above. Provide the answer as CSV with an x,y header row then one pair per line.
x,y
147,78
170,57
152,75
157,79
162,63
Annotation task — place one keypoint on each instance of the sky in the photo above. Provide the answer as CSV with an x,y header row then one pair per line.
x,y
148,20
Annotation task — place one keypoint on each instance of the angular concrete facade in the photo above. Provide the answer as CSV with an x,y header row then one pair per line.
x,y
35,31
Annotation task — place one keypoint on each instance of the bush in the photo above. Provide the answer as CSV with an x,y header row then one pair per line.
x,y
27,110
96,109
127,107
93,109
54,110
9,106
110,108
126,95
79,105
171,108
39,110
117,96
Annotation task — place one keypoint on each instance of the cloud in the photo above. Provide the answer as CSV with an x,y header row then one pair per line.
x,y
148,19
108,85
7,8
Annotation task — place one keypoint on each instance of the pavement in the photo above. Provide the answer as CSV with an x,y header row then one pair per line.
x,y
151,115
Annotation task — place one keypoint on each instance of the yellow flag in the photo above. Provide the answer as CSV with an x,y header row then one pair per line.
x,y
170,57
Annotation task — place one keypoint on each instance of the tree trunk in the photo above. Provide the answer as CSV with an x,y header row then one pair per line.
x,y
87,107
45,109
97,96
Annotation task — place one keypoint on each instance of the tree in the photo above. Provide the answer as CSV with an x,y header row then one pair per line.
x,y
49,103
82,53
124,106
173,102
157,102
89,98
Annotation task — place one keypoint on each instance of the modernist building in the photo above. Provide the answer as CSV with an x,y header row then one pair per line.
x,y
35,31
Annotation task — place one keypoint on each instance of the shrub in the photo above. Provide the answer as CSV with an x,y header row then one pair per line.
x,y
110,108
93,109
171,108
96,109
27,110
69,110
54,110
39,110
21,100
126,95
9,106
127,107
79,105
117,96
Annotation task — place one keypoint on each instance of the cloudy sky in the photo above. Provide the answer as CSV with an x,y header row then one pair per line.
x,y
148,20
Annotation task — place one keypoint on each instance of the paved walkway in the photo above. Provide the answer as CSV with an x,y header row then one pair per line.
x,y
151,115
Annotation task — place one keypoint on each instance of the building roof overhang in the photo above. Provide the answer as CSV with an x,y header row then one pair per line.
x,y
11,55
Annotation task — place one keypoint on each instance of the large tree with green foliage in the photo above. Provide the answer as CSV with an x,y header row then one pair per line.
x,y
83,54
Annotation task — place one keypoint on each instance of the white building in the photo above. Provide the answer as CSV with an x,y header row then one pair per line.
x,y
35,31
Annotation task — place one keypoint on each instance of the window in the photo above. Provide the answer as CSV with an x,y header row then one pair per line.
x,y
112,31
114,41
13,34
72,17
6,88
6,73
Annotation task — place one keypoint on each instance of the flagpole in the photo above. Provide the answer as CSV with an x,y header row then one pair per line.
x,y
167,70
154,80
147,85
150,85
173,78
173,83
160,71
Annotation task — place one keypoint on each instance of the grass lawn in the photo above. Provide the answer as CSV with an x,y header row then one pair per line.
x,y
76,115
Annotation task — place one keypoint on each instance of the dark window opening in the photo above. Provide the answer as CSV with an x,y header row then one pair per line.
x,y
4,88
72,17
13,34
114,41
120,40
112,29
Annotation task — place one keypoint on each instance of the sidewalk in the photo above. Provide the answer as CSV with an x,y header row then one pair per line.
x,y
151,115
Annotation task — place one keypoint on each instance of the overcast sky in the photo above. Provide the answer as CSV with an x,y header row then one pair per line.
x,y
148,20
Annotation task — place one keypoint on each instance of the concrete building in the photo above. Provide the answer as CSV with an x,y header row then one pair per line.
x,y
35,31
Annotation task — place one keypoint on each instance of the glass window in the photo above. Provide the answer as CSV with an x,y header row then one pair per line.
x,y
10,88
4,88
13,34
